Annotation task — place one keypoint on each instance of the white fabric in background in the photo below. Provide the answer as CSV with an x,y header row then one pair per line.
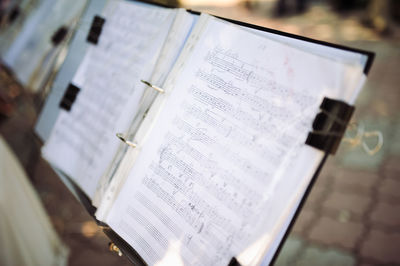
x,y
26,234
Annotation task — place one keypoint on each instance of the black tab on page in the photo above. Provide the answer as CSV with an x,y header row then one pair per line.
x,y
234,262
95,29
69,97
59,35
329,125
14,14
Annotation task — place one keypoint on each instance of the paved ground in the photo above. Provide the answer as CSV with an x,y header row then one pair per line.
x,y
352,216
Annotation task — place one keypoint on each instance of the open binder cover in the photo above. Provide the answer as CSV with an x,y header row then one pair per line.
x,y
220,163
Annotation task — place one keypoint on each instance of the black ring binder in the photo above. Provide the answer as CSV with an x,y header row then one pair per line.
x,y
95,29
93,37
329,125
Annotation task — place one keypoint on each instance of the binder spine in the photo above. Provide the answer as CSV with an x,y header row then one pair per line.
x,y
145,105
147,101
329,125
141,114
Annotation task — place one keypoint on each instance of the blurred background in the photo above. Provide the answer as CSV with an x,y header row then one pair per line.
x,y
352,215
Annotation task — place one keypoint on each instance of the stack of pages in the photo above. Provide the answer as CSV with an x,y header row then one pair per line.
x,y
213,116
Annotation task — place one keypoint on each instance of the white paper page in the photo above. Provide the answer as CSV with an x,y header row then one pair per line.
x,y
207,183
142,133
303,167
173,44
335,54
83,141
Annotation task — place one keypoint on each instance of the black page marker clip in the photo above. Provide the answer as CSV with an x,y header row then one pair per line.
x,y
14,14
69,97
329,125
234,262
95,29
59,35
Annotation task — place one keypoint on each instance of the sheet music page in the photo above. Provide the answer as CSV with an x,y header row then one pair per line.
x,y
214,176
83,141
173,44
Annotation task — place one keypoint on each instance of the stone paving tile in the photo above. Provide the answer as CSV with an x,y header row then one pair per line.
x,y
303,221
313,255
354,182
328,231
395,143
389,190
314,198
387,215
324,179
381,247
289,251
357,205
330,166
383,102
391,168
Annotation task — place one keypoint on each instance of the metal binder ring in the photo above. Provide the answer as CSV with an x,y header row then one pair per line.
x,y
130,143
153,86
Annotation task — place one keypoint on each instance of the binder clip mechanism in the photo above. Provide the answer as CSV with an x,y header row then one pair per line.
x,y
160,90
122,138
113,248
330,125
95,29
